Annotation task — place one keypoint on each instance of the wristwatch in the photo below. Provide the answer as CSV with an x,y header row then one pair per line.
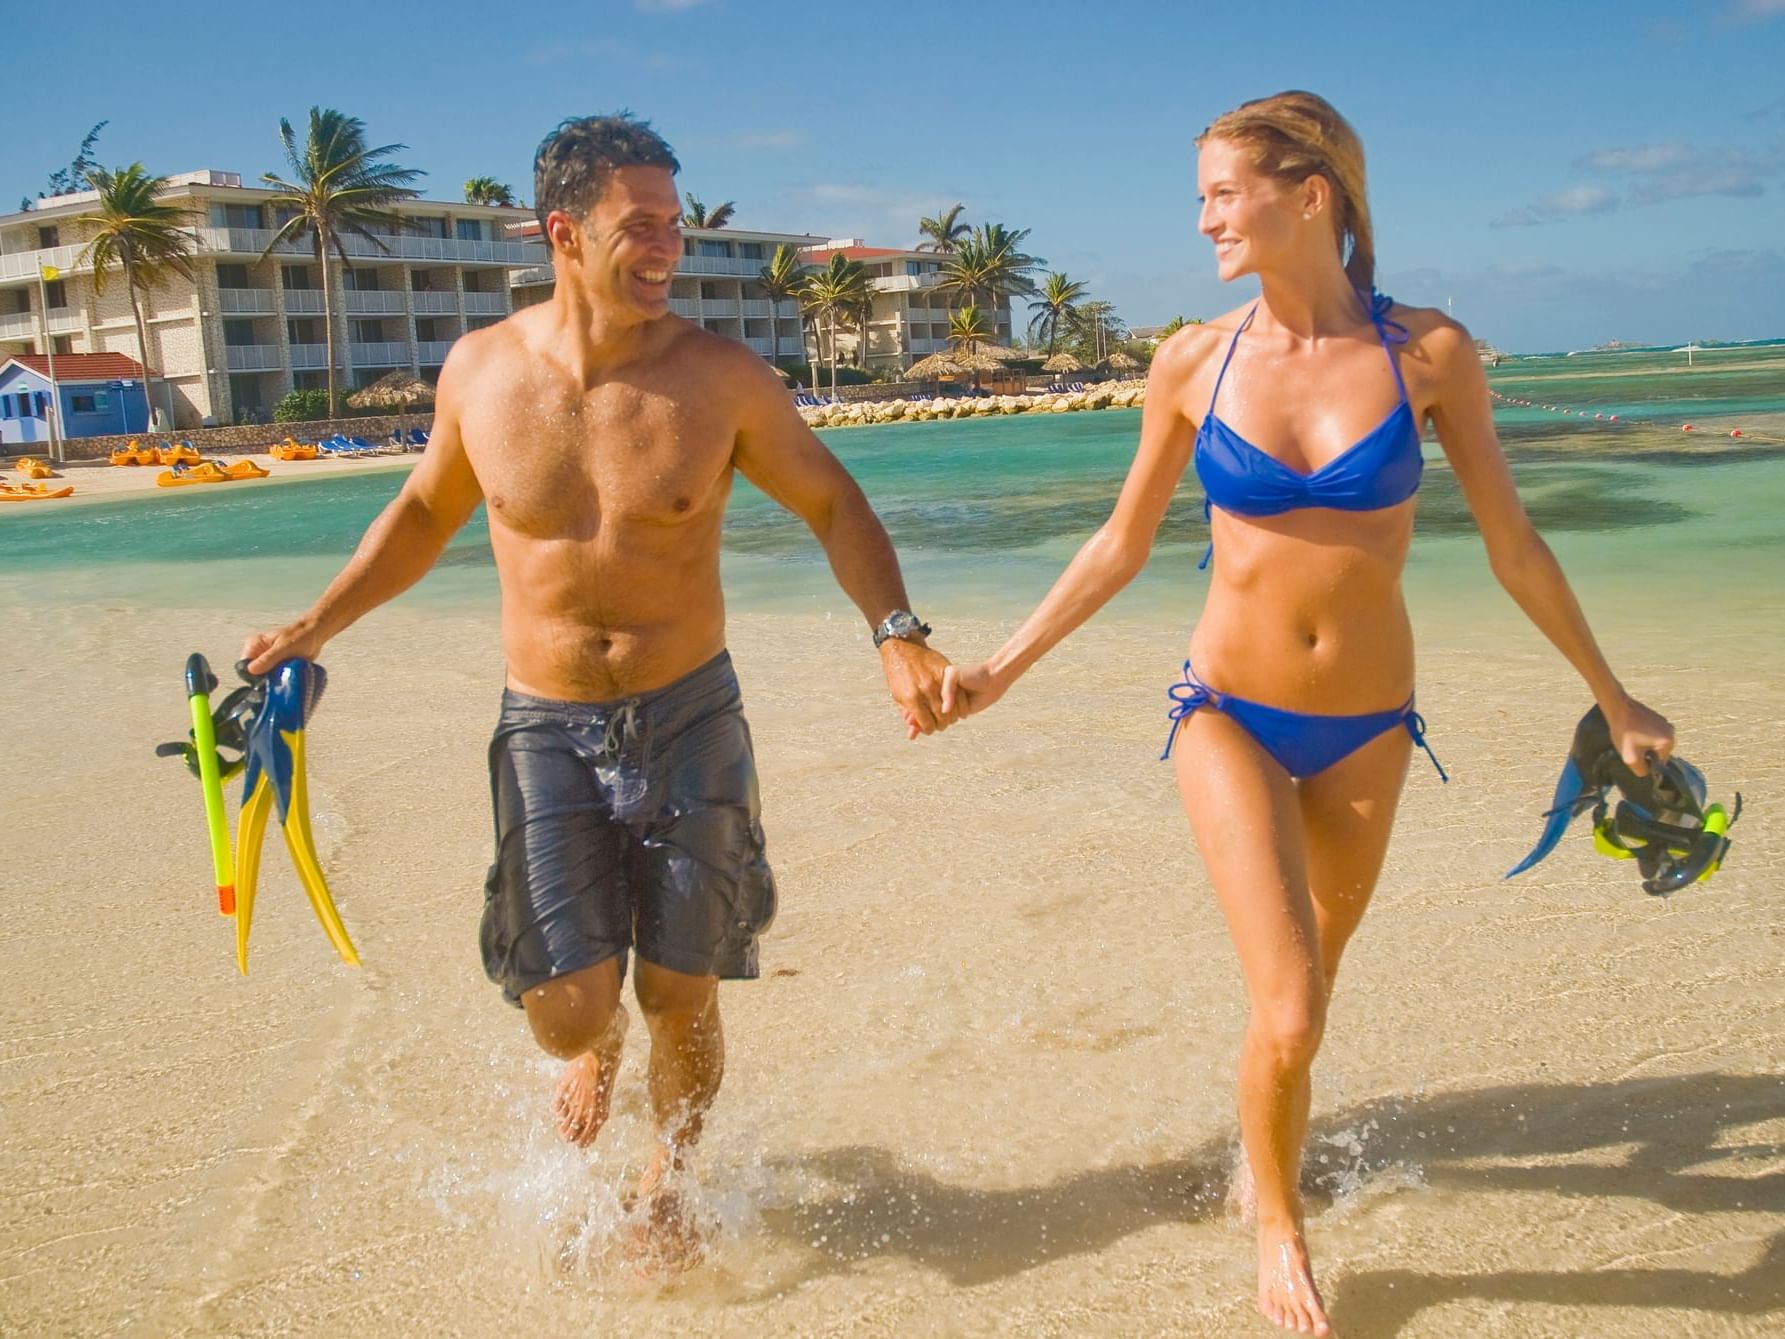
x,y
903,624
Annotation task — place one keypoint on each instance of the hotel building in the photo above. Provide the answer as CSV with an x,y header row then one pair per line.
x,y
910,318
225,345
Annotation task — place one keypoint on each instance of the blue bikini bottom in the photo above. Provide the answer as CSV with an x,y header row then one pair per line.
x,y
1302,744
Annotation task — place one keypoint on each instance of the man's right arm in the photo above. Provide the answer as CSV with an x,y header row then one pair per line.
x,y
401,545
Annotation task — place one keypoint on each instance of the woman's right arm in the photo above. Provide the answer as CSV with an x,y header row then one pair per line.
x,y
1111,557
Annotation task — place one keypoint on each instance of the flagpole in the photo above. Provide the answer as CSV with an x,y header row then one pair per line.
x,y
49,348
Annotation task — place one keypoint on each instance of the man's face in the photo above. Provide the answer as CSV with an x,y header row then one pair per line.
x,y
631,241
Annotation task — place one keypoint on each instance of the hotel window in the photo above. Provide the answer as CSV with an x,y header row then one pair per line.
x,y
469,230
711,248
687,246
429,330
232,276
55,292
709,290
82,404
427,226
750,250
238,334
237,216
421,281
296,276
20,299
360,281
48,235
914,267
304,332
368,332
62,343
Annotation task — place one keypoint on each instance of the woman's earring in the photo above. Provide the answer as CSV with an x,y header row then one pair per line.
x,y
1307,213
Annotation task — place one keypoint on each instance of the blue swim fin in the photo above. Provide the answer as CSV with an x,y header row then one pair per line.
x,y
1573,797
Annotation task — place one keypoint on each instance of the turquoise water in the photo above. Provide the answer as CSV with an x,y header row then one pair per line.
x,y
984,512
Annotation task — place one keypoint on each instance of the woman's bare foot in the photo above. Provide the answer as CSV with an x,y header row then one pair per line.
x,y
1286,1292
586,1089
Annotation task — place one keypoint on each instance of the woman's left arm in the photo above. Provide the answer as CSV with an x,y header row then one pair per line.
x,y
1522,563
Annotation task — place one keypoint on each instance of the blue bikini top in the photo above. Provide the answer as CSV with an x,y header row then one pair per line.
x,y
1380,469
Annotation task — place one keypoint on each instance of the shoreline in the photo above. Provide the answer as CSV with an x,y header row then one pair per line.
x,y
97,479
1130,394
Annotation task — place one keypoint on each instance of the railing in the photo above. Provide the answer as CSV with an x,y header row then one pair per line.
x,y
402,246
372,302
718,265
309,357
23,325
382,354
486,304
253,357
429,352
762,307
435,304
719,306
303,302
904,283
927,345
760,344
533,274
25,264
246,301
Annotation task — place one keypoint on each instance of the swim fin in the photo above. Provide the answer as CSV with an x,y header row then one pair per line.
x,y
275,775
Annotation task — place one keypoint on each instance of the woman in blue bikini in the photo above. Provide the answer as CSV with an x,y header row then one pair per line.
x,y
1294,718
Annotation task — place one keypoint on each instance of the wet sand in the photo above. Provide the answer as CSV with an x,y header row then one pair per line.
x,y
985,1084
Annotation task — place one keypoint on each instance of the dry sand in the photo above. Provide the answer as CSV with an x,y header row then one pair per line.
x,y
985,1084
93,479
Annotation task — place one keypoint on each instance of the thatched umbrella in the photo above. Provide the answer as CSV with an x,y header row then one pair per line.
x,y
1062,362
398,389
1124,362
936,366
977,359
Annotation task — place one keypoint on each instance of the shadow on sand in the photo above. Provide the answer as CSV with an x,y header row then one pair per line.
x,y
1672,1133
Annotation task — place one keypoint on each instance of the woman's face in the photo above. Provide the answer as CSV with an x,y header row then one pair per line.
x,y
1252,219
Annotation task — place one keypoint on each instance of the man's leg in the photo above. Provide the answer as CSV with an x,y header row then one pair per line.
x,y
578,1017
687,1056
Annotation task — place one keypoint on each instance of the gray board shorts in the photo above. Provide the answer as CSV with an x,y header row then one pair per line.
x,y
626,823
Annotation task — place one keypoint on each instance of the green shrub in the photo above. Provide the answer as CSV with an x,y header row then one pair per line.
x,y
301,406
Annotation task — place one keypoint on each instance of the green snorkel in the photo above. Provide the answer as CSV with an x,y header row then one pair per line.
x,y
224,728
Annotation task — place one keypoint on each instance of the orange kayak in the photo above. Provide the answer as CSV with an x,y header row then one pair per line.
x,y
32,492
210,472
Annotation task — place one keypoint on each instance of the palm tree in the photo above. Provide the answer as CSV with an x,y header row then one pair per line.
x,y
1053,306
835,292
944,232
968,328
697,215
1097,329
339,186
781,280
488,191
144,238
989,265
1172,327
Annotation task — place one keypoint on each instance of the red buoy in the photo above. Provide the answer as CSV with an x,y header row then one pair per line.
x,y
1686,427
1735,432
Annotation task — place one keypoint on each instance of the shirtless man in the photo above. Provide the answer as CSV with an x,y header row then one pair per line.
x,y
602,433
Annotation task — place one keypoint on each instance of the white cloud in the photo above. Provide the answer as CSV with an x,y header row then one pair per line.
x,y
1574,201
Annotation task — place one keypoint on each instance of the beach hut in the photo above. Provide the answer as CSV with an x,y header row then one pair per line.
x,y
399,389
97,394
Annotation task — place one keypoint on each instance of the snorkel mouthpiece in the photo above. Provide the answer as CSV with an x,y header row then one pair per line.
x,y
1661,820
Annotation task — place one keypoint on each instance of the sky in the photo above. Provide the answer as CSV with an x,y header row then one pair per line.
x,y
1558,174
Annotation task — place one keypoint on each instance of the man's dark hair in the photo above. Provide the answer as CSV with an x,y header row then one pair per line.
x,y
573,163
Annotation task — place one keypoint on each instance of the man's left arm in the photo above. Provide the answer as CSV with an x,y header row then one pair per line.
x,y
778,453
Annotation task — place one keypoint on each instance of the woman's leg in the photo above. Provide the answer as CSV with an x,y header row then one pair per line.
x,y
1246,814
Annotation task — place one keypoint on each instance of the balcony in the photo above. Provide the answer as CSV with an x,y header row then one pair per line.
x,y
431,352
303,302
486,304
383,354
905,283
25,264
253,357
363,302
435,304
689,307
763,345
762,307
309,357
532,275
719,265
23,325
719,306
402,246
246,301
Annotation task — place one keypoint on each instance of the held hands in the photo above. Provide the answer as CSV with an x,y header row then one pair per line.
x,y
914,676
1639,733
968,690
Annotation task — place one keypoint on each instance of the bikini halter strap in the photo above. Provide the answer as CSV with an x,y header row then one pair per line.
x,y
1391,332
1231,345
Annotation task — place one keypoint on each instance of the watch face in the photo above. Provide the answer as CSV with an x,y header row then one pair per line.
x,y
902,624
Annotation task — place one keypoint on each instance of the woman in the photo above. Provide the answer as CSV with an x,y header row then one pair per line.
x,y
1294,719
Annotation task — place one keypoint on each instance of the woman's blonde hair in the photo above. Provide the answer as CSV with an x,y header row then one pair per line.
x,y
1295,135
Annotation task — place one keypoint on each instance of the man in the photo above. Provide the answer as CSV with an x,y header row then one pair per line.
x,y
602,433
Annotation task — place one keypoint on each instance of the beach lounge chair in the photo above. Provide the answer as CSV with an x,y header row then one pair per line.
x,y
417,438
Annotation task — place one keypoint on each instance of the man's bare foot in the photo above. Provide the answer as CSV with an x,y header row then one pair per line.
x,y
1242,1191
667,1238
1286,1293
586,1090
